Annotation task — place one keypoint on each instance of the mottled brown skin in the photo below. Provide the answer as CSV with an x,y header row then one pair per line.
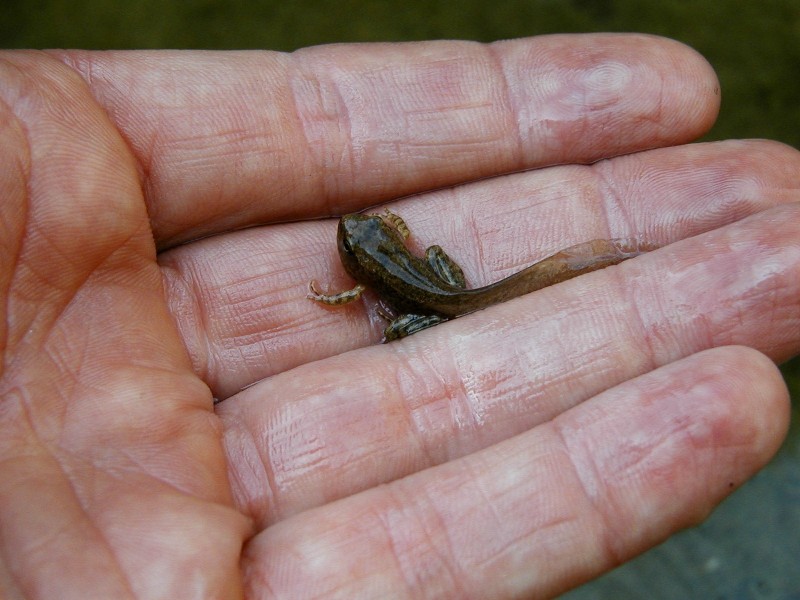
x,y
427,291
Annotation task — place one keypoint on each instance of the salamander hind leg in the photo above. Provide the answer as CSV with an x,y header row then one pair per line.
x,y
405,325
445,267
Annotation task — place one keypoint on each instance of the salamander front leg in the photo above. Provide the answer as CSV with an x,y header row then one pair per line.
x,y
334,299
396,222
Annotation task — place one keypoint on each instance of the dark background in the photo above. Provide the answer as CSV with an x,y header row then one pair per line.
x,y
750,547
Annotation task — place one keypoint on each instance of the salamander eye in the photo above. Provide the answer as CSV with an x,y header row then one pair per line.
x,y
346,245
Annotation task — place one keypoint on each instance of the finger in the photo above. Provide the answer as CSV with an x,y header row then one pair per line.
x,y
328,429
229,140
241,301
548,509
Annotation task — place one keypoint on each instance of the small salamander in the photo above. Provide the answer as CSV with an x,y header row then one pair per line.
x,y
427,291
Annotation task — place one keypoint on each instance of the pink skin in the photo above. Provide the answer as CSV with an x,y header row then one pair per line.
x,y
524,448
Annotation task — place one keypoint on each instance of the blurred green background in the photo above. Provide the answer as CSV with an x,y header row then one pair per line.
x,y
750,547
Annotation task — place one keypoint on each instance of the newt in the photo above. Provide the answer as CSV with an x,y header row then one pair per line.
x,y
430,290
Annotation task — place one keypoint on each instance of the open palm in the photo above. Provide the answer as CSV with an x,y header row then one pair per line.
x,y
161,222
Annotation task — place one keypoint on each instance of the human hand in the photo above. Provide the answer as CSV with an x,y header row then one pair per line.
x,y
525,448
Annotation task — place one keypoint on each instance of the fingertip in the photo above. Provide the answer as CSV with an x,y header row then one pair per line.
x,y
757,398
691,85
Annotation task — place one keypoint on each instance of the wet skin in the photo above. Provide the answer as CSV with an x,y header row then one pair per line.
x,y
427,291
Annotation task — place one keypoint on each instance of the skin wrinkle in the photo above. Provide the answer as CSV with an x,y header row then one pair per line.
x,y
479,263
474,399
412,79
284,453
656,118
408,379
46,535
637,332
450,551
511,385
405,555
239,348
762,289
352,148
519,101
12,135
41,546
15,407
459,403
512,115
45,431
266,451
612,553
250,491
582,98
291,443
607,201
508,557
300,79
488,503
490,555
471,398
660,329
593,488
538,371
458,111
99,534
188,315
86,274
142,160
742,286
